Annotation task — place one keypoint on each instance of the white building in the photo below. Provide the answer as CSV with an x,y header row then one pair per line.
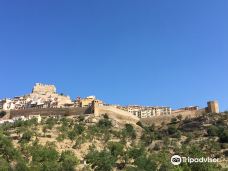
x,y
42,96
147,111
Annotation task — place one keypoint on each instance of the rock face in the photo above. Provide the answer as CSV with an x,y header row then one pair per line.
x,y
44,89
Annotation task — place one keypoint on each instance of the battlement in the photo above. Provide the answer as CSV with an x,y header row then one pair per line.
x,y
43,88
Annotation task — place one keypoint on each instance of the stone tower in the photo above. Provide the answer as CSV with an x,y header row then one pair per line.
x,y
213,107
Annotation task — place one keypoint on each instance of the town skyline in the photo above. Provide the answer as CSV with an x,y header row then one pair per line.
x,y
54,90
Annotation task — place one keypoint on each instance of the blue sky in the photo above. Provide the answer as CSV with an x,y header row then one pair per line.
x,y
169,53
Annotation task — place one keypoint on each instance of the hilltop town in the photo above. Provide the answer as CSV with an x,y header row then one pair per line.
x,y
45,130
45,96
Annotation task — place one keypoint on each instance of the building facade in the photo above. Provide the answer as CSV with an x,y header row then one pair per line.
x,y
146,111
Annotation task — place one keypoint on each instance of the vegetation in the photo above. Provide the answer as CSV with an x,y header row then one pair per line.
x,y
2,113
73,144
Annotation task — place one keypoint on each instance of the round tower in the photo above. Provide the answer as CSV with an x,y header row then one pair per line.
x,y
213,106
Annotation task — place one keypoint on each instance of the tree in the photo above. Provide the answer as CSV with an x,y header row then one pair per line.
x,y
136,152
145,163
100,161
129,131
7,150
196,152
115,148
148,136
41,154
68,161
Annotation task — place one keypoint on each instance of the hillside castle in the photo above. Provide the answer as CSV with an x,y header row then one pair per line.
x,y
46,97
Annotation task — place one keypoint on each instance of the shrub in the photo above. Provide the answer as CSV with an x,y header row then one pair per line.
x,y
79,129
212,131
136,152
224,137
72,135
139,124
145,163
104,123
129,131
173,120
177,134
42,154
61,137
7,150
115,148
26,137
4,165
81,118
2,113
68,161
179,117
50,122
172,130
147,137
106,116
226,153
21,165
100,161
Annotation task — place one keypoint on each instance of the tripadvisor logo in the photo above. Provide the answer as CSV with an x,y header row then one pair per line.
x,y
176,160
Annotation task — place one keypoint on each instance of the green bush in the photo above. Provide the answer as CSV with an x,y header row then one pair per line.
x,y
129,131
4,165
212,131
79,129
51,122
104,123
68,161
145,163
26,137
115,148
224,137
100,161
172,129
44,153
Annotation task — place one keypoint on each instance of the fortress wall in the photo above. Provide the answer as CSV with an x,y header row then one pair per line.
x,y
42,88
119,115
157,120
50,111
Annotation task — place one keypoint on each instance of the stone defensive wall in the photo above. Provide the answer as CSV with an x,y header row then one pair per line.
x,y
119,115
157,120
51,111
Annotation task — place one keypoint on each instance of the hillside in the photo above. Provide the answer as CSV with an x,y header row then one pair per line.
x,y
101,143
